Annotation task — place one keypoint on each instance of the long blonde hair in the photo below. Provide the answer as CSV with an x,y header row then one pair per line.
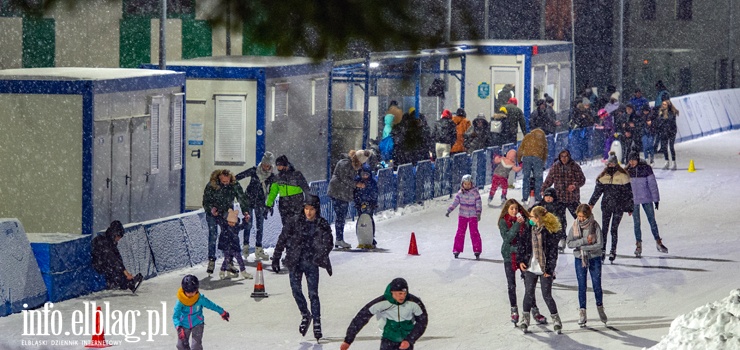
x,y
670,107
546,218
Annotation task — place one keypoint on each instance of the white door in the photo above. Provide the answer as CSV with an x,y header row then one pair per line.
x,y
121,171
501,76
141,179
195,178
102,176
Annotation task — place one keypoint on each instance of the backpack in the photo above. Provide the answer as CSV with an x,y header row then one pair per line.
x,y
497,126
386,148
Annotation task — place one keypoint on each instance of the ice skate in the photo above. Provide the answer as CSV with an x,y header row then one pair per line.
x,y
477,256
674,165
211,266
638,250
538,317
557,325
525,322
582,317
561,246
305,322
490,198
667,165
245,251
342,244
651,160
612,256
660,246
602,314
456,254
514,316
224,275
136,282
247,275
259,254
233,269
317,330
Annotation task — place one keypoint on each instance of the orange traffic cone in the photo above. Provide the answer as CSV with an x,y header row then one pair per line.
x,y
259,283
98,338
412,245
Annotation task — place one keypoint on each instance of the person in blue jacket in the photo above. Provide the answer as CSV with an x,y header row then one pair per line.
x,y
188,314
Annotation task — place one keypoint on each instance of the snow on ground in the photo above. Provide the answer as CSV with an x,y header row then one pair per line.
x,y
466,299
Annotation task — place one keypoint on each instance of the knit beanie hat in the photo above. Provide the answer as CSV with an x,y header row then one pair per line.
x,y
513,101
460,112
115,229
282,160
634,156
612,159
267,158
399,285
233,216
363,155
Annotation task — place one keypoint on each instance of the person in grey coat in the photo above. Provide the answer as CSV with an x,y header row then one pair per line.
x,y
644,193
341,190
585,239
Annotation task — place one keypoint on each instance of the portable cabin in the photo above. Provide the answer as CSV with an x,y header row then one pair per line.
x,y
84,146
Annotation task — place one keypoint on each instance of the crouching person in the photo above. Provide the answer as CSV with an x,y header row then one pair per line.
x,y
107,261
404,314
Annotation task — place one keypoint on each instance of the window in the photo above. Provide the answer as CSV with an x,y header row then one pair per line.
x,y
176,131
279,106
231,125
684,9
150,8
648,9
155,108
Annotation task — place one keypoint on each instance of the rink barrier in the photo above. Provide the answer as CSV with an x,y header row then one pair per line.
x,y
21,281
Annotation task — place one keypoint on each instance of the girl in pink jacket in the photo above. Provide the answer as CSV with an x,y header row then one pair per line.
x,y
470,208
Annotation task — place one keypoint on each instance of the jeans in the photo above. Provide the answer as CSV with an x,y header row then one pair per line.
x,y
533,166
196,343
615,218
312,279
340,212
648,145
530,283
593,268
259,220
650,214
462,226
212,235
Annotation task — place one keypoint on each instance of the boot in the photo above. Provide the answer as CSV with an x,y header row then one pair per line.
x,y
477,256
602,314
660,246
582,317
561,246
317,330
638,249
245,250
211,266
259,253
557,325
651,159
305,322
342,244
136,282
612,256
227,275
514,315
674,165
538,317
247,275
525,322
455,254
667,165
503,198
233,269
490,198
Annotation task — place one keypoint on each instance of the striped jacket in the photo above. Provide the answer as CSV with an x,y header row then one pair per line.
x,y
469,201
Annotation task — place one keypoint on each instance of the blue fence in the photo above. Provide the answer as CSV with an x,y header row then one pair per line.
x,y
412,184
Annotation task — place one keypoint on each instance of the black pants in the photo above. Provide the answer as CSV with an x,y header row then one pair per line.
x,y
511,283
615,218
116,279
386,344
530,283
666,143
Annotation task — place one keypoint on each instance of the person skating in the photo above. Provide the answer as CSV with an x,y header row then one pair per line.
x,y
470,209
501,174
553,205
218,197
566,177
585,239
404,314
307,244
188,314
228,243
107,260
645,193
261,179
366,195
290,184
537,257
614,184
341,190
532,154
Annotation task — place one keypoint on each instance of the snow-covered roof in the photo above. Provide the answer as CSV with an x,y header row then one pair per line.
x,y
244,61
511,43
78,73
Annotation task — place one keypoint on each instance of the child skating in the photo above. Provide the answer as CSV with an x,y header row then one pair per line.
x,y
501,173
228,242
470,209
188,314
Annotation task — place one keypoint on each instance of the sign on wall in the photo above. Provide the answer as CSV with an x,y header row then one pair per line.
x,y
230,131
484,90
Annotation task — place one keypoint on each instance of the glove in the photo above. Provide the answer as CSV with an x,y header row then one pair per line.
x,y
656,205
180,332
447,214
225,316
276,265
478,217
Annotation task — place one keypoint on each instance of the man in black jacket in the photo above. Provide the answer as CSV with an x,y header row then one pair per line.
x,y
107,261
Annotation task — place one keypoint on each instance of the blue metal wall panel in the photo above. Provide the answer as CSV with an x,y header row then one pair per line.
x,y
461,164
320,188
442,176
551,151
406,185
424,180
478,160
561,141
386,189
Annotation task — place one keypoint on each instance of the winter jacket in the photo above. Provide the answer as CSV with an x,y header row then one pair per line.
x,y
542,119
644,185
291,240
560,176
188,312
228,239
510,231
406,321
638,102
549,246
513,122
387,125
580,246
256,194
222,197
478,135
582,118
667,127
462,125
617,193
290,185
533,144
555,207
342,184
369,194
469,201
106,259
445,131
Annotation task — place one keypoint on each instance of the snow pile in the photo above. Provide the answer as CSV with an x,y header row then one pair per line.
x,y
713,326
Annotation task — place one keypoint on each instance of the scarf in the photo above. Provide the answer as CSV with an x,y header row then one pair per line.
x,y
186,300
537,246
578,233
262,176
